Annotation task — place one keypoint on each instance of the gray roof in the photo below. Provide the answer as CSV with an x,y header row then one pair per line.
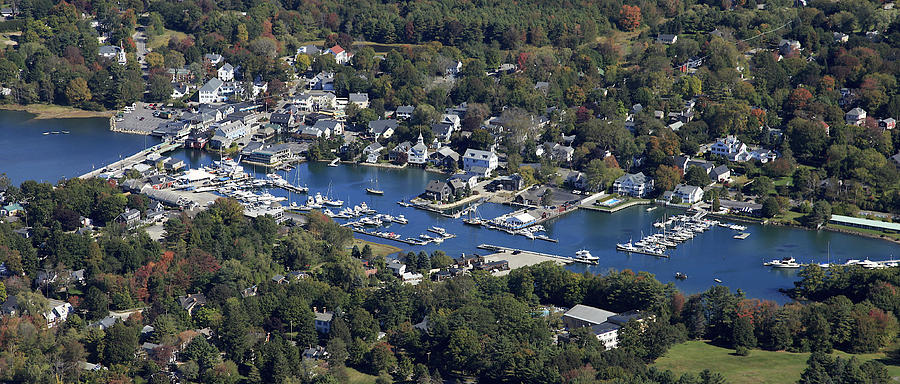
x,y
636,178
109,50
604,327
441,129
327,123
212,85
380,126
720,170
589,314
409,109
358,97
436,186
326,316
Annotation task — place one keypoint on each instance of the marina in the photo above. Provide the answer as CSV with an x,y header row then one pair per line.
x,y
699,257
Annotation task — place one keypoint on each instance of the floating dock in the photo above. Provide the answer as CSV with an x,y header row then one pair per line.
x,y
567,260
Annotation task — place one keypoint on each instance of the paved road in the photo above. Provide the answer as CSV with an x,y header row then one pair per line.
x,y
140,44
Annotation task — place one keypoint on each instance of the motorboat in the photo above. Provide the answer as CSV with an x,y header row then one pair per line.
x,y
680,276
373,191
585,255
438,230
334,163
400,219
787,263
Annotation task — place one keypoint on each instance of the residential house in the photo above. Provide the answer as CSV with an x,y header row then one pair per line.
x,y
308,132
192,301
840,37
323,81
577,180
453,68
130,217
720,174
634,184
310,49
180,90
360,99
559,152
399,269
855,116
58,312
607,333
12,209
180,75
283,120
212,59
480,163
438,190
335,127
666,38
226,72
323,320
786,47
341,56
730,148
383,128
404,112
887,124
228,131
372,152
444,157
689,194
315,353
211,92
469,180
113,52
400,152
512,182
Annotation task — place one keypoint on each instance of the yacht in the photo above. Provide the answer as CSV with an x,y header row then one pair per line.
x,y
680,276
334,203
438,230
585,255
787,262
400,219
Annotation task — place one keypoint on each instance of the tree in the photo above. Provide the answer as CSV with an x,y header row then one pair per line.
x,y
155,60
696,176
78,92
600,175
667,177
630,17
2,292
241,33
762,186
743,338
119,344
770,207
160,88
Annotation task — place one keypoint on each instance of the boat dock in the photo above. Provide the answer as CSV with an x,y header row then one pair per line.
x,y
514,251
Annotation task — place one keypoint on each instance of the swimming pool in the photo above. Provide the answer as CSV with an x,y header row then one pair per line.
x,y
611,202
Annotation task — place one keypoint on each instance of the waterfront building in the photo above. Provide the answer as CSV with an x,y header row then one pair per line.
x,y
438,190
444,157
480,163
372,152
519,221
634,184
332,126
689,194
857,222
418,154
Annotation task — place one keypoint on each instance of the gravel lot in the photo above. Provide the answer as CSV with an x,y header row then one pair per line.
x,y
133,122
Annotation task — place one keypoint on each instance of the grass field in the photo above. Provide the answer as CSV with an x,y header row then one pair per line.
x,y
759,367
154,42
377,249
357,377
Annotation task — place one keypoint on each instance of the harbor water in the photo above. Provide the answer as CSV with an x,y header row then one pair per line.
x,y
714,254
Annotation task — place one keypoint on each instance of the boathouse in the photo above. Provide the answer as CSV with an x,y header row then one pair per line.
x,y
857,222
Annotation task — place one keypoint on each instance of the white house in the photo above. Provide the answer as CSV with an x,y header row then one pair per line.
x,y
855,116
211,92
341,56
418,154
372,152
730,148
333,126
113,52
226,72
213,58
688,193
404,112
634,184
58,313
480,163
382,128
360,99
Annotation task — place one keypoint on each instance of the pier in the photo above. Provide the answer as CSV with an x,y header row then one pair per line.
x,y
516,252
127,162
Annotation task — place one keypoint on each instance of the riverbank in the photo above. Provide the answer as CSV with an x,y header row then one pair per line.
x,y
49,111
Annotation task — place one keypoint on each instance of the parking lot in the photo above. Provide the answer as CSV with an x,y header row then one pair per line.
x,y
140,121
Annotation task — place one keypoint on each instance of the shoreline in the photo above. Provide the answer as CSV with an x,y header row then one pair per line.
x,y
50,111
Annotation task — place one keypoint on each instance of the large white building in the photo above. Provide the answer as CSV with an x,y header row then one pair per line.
x,y
211,92
689,194
418,154
480,163
634,184
226,72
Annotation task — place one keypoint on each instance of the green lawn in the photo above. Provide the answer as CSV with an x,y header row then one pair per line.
x,y
377,249
357,377
759,367
865,231
154,42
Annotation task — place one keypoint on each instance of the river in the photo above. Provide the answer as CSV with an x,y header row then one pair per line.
x,y
710,255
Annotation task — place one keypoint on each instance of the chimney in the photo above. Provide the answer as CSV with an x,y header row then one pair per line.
x,y
315,310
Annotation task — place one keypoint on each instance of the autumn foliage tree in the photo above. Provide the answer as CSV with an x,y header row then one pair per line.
x,y
630,17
